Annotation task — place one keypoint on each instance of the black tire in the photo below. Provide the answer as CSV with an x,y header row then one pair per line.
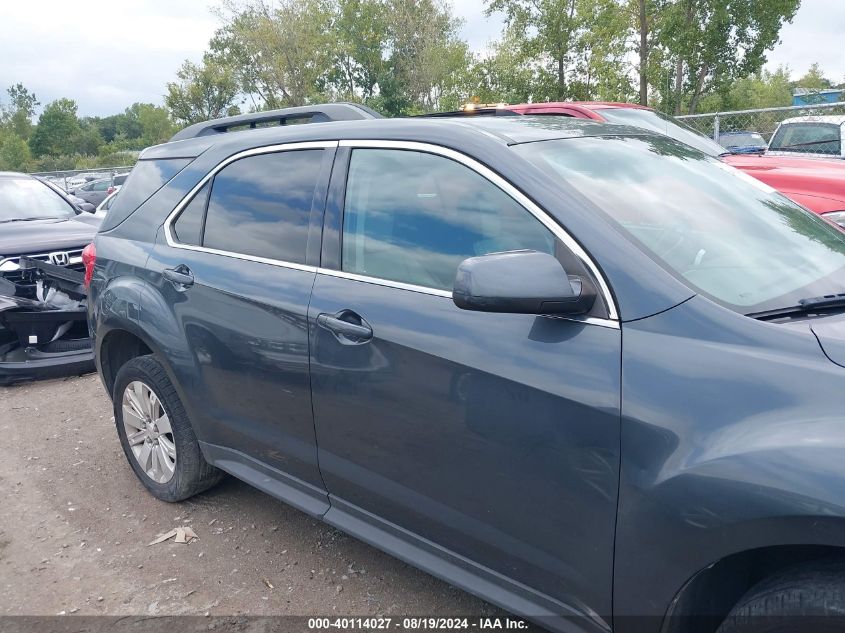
x,y
806,597
192,473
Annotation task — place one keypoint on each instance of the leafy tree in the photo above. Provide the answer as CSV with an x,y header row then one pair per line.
x,y
714,42
578,46
18,114
155,122
504,74
14,153
205,91
58,127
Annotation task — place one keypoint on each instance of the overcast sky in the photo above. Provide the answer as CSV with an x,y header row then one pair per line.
x,y
107,54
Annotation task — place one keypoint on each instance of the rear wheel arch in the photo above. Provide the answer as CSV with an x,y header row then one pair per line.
x,y
708,597
116,349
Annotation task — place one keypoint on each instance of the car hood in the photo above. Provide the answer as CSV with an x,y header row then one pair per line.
x,y
808,176
829,332
43,236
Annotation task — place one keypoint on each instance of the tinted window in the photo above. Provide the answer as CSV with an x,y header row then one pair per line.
x,y
821,138
260,205
146,177
100,185
722,232
188,226
413,217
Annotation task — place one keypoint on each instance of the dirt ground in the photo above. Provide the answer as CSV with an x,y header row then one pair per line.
x,y
75,526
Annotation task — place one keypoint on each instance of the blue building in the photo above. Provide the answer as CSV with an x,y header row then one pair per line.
x,y
805,96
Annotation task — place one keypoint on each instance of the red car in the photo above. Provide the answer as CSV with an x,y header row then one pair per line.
x,y
816,183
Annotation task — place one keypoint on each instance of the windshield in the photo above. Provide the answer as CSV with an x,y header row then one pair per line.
x,y
663,124
740,139
816,138
724,234
29,199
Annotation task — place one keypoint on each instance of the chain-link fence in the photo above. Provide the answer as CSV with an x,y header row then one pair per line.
x,y
810,129
75,178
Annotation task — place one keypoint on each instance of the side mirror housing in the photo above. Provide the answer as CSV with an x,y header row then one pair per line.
x,y
87,207
520,282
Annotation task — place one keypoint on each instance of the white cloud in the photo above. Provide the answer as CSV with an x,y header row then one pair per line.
x,y
815,35
107,54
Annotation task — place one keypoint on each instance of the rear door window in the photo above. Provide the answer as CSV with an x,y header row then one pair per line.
x,y
260,205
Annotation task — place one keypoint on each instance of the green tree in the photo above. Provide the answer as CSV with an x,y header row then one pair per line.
x,y
57,130
504,74
18,114
204,91
713,42
578,46
156,125
14,152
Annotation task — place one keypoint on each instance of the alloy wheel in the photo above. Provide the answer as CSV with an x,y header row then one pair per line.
x,y
148,432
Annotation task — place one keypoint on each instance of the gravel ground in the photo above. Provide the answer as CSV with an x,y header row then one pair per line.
x,y
75,526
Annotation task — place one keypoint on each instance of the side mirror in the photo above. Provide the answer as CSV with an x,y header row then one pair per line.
x,y
87,207
520,282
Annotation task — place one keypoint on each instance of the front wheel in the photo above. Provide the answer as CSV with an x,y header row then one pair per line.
x,y
155,433
808,597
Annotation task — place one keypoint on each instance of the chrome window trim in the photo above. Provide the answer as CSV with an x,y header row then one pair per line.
x,y
255,151
445,294
537,212
514,193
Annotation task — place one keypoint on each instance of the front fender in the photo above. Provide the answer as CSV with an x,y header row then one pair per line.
x,y
733,433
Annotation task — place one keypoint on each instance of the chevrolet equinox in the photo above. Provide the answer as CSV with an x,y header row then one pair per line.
x,y
581,370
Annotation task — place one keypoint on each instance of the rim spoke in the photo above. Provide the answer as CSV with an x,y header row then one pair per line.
x,y
154,405
132,399
143,392
155,468
144,458
167,467
168,447
163,424
136,438
131,419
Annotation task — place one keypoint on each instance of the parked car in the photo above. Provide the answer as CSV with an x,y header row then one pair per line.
x,y
116,183
743,142
815,183
105,205
810,136
77,202
95,191
43,332
413,330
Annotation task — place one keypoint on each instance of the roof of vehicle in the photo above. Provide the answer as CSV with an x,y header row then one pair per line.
x,y
836,119
506,130
14,174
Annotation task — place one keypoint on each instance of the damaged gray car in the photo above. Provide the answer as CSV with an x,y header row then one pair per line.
x,y
43,333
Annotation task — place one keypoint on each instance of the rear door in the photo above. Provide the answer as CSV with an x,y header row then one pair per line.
x,y
235,272
495,436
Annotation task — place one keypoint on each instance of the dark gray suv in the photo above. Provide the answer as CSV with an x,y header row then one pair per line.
x,y
581,370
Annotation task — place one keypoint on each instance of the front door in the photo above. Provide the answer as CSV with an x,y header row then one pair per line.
x,y
495,436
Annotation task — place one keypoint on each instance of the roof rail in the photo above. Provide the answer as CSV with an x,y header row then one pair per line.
x,y
319,113
480,111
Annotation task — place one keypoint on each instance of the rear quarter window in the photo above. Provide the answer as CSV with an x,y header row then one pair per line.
x,y
147,177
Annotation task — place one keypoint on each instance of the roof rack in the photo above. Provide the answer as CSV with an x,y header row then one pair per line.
x,y
319,113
